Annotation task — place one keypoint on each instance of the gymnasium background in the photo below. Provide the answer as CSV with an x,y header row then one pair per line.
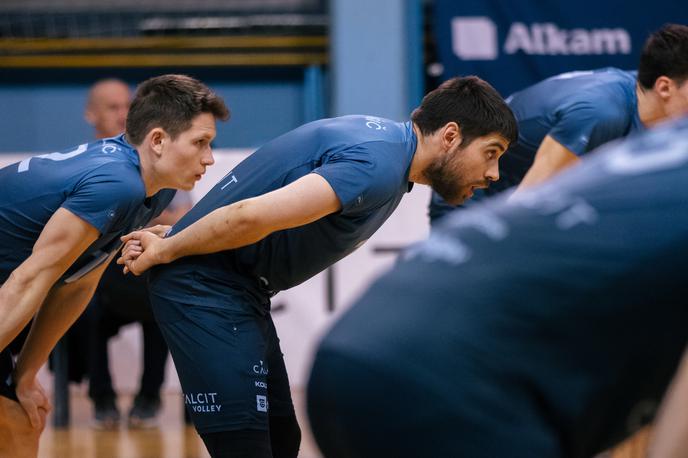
x,y
280,63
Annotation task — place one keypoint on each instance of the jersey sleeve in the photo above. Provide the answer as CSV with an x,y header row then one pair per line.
x,y
585,124
360,178
106,196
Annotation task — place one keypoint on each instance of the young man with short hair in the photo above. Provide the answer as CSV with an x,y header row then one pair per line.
x,y
62,215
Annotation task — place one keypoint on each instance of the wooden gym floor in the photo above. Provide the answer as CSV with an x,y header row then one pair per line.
x,y
172,439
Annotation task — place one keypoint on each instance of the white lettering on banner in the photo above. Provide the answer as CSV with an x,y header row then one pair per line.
x,y
475,38
520,39
548,39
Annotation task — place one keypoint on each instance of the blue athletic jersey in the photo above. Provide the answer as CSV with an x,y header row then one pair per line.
x,y
564,307
365,159
100,182
580,110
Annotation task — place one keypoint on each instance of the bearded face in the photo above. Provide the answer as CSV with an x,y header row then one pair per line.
x,y
464,168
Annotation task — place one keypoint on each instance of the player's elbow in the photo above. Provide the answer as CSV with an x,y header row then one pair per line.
x,y
249,219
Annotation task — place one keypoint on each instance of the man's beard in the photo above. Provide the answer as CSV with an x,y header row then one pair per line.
x,y
447,177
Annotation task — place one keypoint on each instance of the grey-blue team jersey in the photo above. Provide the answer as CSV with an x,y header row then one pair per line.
x,y
365,159
580,110
100,182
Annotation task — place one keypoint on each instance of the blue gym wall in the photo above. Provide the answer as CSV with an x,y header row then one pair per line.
x,y
42,110
376,54
375,68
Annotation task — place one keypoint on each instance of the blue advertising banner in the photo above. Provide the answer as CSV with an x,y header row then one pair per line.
x,y
513,44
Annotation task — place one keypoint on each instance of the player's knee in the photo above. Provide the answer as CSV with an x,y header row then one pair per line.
x,y
244,443
285,436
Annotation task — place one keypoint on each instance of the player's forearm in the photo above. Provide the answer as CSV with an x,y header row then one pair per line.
x,y
301,202
20,296
59,311
545,170
225,228
551,159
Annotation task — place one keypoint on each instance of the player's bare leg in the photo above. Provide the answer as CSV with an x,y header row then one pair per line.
x,y
18,439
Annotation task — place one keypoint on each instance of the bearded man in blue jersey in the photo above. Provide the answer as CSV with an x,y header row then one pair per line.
x,y
61,217
294,207
563,118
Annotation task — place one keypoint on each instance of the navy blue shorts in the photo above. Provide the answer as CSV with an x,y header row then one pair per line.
x,y
229,363
7,388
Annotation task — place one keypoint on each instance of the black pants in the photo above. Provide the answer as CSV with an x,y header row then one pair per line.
x,y
121,300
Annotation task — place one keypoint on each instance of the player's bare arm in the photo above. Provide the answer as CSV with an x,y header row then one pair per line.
x,y
242,223
551,158
62,240
63,305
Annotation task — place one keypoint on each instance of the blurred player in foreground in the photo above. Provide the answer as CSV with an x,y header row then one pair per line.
x,y
546,326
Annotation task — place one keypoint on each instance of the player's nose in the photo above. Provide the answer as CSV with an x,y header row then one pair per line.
x,y
492,173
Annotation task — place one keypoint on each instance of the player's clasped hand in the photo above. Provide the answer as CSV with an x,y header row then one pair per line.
x,y
130,252
160,230
35,402
140,251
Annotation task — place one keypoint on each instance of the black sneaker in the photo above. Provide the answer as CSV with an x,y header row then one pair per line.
x,y
144,412
106,413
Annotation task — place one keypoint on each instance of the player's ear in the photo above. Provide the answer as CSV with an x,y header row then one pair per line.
x,y
157,139
451,135
664,87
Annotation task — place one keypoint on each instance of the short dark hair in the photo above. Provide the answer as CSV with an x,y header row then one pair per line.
x,y
171,102
473,104
665,54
